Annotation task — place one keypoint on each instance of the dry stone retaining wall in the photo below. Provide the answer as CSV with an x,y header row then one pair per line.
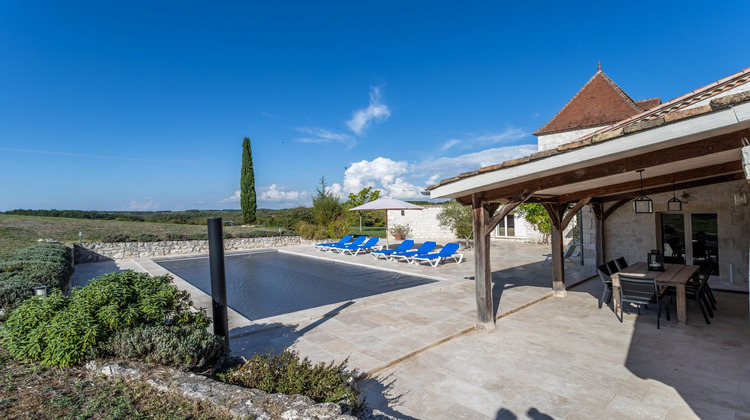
x,y
87,252
240,402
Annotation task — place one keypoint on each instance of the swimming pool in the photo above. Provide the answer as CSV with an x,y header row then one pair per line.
x,y
270,283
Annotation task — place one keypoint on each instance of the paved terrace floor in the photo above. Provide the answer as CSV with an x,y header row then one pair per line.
x,y
550,358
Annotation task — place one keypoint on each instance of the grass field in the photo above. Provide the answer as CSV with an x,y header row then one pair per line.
x,y
21,231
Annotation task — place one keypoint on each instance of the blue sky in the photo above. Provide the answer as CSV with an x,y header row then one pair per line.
x,y
143,105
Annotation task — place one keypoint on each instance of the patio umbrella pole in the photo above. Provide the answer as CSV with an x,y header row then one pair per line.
x,y
387,245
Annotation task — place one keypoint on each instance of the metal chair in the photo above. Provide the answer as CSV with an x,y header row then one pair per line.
x,y
639,291
605,274
621,264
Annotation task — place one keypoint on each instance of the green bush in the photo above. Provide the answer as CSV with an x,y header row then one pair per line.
x,y
291,217
288,374
184,346
174,236
338,228
146,237
306,230
116,237
62,331
198,236
26,268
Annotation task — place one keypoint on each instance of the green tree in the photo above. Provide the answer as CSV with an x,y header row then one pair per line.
x,y
458,218
363,218
247,184
538,217
326,206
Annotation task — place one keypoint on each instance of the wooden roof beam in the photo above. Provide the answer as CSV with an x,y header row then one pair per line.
x,y
676,177
681,186
672,154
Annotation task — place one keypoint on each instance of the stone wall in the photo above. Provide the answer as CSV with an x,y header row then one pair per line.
x,y
423,223
632,235
100,251
240,402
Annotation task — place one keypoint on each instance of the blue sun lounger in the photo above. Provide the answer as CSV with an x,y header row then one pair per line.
x,y
449,250
354,249
403,247
324,247
424,249
357,241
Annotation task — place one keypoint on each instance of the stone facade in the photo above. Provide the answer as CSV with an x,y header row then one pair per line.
x,y
631,235
423,223
87,252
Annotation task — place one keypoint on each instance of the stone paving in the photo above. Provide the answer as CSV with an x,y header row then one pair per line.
x,y
565,358
549,358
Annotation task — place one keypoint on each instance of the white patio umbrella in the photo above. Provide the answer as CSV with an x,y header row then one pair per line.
x,y
386,204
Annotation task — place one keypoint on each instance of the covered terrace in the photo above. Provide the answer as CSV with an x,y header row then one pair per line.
x,y
692,142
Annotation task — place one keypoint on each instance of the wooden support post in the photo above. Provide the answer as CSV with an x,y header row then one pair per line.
x,y
599,232
482,269
556,212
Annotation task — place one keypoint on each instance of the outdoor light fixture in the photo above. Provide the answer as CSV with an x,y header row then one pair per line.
x,y
642,204
41,291
685,197
674,204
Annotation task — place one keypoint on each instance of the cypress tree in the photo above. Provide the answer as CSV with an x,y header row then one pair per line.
x,y
247,184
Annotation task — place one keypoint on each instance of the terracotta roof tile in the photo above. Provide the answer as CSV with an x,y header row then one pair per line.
x,y
599,102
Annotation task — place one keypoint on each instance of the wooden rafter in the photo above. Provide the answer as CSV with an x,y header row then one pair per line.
x,y
572,212
507,208
616,206
695,149
680,186
707,171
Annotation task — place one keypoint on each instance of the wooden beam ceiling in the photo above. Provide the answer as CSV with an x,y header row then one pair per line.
x,y
673,154
708,171
681,186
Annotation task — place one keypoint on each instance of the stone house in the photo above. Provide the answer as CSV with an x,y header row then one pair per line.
x,y
603,153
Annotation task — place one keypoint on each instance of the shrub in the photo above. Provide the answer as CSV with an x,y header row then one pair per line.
x,y
338,228
306,230
287,373
146,237
116,237
62,331
198,236
291,217
174,236
26,268
184,346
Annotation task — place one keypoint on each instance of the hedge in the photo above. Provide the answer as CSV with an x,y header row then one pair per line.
x,y
38,265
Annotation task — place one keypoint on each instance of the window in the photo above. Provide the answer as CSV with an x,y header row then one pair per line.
x,y
507,226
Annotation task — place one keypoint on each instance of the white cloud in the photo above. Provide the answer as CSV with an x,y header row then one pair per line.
x,y
233,199
274,194
450,143
146,205
320,135
485,140
375,112
386,175
446,167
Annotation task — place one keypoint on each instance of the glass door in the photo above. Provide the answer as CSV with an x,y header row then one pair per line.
x,y
673,238
705,240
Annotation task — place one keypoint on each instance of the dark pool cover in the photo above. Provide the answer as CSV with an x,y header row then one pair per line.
x,y
265,284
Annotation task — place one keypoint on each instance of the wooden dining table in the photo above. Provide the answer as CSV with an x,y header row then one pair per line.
x,y
676,275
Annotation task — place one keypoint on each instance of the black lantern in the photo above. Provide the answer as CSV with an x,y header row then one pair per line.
x,y
674,204
655,261
642,204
